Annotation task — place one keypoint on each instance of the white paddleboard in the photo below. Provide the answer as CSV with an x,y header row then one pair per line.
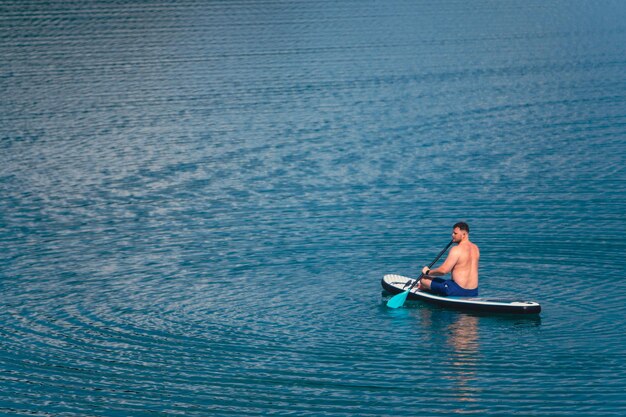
x,y
395,284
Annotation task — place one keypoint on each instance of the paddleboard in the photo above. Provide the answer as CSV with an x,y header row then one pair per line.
x,y
396,284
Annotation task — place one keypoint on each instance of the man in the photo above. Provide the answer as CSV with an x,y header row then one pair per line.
x,y
462,262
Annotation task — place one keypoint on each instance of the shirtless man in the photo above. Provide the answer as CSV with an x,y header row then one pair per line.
x,y
462,262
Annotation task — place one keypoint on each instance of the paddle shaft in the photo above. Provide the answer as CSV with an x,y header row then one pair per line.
x,y
431,264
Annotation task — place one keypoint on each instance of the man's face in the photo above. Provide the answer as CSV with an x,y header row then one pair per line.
x,y
457,235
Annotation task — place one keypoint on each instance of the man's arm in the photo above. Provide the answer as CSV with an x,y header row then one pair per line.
x,y
447,266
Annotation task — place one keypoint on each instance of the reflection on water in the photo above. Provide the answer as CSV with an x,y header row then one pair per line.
x,y
463,354
462,347
464,344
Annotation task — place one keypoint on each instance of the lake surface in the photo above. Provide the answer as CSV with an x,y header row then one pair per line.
x,y
198,200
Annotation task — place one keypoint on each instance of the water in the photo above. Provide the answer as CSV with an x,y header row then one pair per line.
x,y
198,201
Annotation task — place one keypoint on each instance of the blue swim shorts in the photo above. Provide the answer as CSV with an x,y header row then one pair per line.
x,y
448,287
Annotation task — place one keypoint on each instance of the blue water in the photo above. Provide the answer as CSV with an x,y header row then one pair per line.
x,y
198,200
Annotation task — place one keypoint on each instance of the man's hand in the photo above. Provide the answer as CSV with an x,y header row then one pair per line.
x,y
425,270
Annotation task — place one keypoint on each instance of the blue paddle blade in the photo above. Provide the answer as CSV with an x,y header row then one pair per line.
x,y
397,300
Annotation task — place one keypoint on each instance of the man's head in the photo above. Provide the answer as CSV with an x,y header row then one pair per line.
x,y
460,231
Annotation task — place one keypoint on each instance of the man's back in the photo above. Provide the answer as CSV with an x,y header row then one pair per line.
x,y
465,270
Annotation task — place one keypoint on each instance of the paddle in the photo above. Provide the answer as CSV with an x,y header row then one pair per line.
x,y
399,299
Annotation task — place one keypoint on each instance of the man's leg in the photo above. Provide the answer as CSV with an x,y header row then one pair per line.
x,y
424,284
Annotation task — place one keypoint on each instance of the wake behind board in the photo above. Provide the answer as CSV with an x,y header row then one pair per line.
x,y
396,284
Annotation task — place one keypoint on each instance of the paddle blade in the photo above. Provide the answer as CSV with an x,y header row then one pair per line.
x,y
397,300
